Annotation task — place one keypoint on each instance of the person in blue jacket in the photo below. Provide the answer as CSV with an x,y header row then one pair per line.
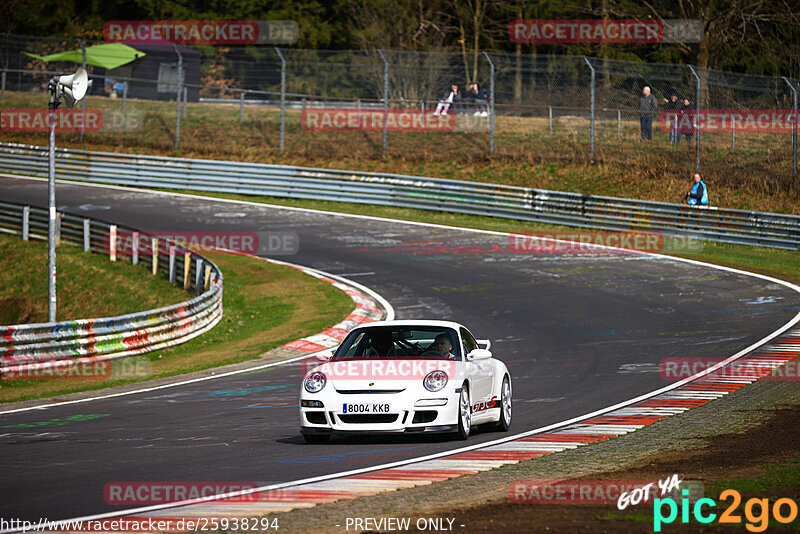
x,y
699,193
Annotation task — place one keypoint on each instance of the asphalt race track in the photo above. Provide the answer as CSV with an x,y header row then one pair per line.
x,y
578,331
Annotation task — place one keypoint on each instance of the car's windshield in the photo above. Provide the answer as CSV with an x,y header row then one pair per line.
x,y
400,342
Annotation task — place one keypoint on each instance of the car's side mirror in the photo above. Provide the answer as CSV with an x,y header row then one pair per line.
x,y
324,355
479,354
484,343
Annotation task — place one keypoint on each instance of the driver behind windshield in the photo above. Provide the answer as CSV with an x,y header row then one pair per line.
x,y
442,345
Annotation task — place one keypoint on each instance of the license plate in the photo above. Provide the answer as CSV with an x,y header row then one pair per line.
x,y
366,407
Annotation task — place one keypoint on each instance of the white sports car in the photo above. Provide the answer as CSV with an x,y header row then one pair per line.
x,y
405,376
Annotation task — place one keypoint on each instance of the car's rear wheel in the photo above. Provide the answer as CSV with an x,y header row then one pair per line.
x,y
504,423
464,413
317,438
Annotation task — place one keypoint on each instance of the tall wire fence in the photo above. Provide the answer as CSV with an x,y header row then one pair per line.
x,y
539,106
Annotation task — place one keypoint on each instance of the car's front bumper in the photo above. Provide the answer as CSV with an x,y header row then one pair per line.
x,y
405,413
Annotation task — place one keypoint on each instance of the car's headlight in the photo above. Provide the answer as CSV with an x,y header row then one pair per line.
x,y
314,382
435,380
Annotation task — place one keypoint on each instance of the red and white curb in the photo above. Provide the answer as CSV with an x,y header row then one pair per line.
x,y
629,418
368,308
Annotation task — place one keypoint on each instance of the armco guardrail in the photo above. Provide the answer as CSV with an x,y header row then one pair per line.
x,y
511,202
30,348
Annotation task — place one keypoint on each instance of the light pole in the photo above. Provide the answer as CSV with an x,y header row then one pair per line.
x,y
71,89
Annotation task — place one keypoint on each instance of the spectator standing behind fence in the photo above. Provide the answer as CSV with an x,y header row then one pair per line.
x,y
686,121
647,106
672,108
449,97
698,195
482,100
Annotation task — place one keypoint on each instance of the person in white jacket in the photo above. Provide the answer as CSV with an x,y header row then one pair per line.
x,y
444,104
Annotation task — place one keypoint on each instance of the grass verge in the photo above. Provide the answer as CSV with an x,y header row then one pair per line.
x,y
755,175
265,305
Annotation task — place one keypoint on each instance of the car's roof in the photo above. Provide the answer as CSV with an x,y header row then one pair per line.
x,y
414,322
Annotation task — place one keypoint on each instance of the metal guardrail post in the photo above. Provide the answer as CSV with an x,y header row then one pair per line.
x,y
283,100
26,222
178,92
241,107
794,130
172,264
591,104
154,254
135,248
696,116
87,235
491,104
198,276
385,101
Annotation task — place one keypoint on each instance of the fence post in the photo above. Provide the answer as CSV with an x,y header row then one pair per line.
x,y
3,95
591,103
733,136
187,268
241,107
185,98
283,100
154,249
491,104
135,248
696,115
112,242
124,95
87,235
619,124
178,92
385,101
172,264
550,119
26,219
794,130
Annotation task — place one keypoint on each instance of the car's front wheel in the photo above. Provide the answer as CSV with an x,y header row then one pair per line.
x,y
504,423
464,413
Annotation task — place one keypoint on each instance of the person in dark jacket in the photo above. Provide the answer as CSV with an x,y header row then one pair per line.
x,y
481,98
672,109
686,121
647,106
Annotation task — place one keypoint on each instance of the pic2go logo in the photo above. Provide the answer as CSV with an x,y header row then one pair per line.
x,y
783,510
